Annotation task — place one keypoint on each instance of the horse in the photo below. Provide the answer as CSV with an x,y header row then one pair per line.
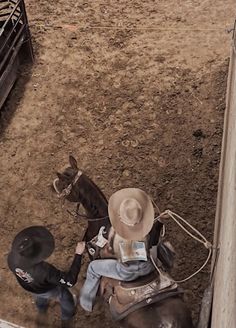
x,y
75,186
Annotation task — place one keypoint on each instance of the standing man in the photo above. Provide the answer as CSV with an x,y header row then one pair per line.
x,y
29,249
132,215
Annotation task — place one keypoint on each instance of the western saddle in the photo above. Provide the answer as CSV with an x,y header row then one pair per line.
x,y
126,297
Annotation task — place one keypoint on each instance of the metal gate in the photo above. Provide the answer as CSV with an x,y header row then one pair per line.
x,y
15,43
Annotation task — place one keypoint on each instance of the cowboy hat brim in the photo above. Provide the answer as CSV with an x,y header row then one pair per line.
x,y
43,243
139,230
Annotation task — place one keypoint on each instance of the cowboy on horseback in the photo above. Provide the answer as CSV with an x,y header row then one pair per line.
x,y
137,303
132,216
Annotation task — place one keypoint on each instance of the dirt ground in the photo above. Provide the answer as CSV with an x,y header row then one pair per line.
x,y
136,91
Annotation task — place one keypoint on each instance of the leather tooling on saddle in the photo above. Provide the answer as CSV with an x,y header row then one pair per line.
x,y
127,297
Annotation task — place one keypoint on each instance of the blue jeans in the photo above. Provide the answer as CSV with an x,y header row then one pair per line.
x,y
112,269
68,306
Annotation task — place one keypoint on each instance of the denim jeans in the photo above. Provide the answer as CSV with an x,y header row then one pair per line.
x,y
112,269
68,306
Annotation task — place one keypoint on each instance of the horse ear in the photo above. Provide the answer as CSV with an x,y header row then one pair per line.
x,y
73,162
60,176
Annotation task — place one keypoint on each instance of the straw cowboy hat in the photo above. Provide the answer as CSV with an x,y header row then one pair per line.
x,y
131,213
31,246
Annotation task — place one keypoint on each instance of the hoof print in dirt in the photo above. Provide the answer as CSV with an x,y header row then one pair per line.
x,y
198,134
198,152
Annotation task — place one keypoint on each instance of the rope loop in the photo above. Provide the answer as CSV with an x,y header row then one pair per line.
x,y
197,236
208,245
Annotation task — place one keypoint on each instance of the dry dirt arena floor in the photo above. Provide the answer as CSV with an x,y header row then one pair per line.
x,y
136,91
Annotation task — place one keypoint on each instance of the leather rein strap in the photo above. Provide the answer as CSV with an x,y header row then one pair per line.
x,y
78,215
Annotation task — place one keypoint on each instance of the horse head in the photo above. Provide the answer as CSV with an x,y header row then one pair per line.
x,y
65,184
75,186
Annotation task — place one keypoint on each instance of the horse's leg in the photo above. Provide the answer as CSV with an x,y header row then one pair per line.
x,y
171,313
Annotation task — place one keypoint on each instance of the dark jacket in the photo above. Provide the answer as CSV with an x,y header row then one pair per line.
x,y
43,277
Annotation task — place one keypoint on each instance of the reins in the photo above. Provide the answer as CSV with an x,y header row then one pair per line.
x,y
87,218
67,191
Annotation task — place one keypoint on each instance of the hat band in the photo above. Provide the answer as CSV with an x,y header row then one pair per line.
x,y
128,223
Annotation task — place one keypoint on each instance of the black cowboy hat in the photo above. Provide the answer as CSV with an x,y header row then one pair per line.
x,y
31,246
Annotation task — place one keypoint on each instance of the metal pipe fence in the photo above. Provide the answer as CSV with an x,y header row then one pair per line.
x,y
15,44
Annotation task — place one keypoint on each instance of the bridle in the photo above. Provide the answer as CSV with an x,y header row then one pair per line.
x,y
67,191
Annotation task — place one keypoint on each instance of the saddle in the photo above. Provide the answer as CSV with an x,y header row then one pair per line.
x,y
126,297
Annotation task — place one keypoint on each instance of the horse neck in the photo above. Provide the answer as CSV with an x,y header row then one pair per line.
x,y
95,204
94,227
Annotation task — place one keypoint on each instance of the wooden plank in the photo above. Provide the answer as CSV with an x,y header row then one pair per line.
x,y
224,295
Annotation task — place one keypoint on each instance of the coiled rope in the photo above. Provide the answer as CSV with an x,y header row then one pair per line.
x,y
200,238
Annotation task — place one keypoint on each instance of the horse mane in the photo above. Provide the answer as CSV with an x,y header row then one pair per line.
x,y
95,203
91,197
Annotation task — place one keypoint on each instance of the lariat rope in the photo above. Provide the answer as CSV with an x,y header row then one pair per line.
x,y
177,218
